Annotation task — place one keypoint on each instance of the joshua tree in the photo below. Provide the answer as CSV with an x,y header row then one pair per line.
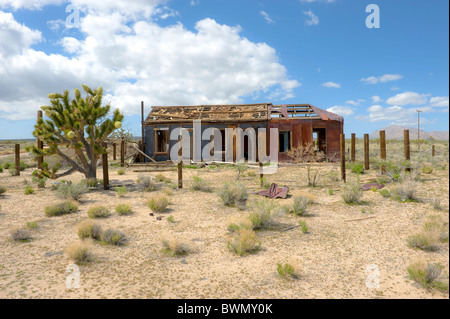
x,y
80,126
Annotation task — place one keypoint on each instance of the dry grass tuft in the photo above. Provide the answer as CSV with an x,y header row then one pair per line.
x,y
79,252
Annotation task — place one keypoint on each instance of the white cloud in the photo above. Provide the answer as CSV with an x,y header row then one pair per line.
x,y
14,36
355,103
267,17
395,88
394,114
138,60
341,110
194,2
331,85
376,99
28,4
439,101
383,79
408,98
312,18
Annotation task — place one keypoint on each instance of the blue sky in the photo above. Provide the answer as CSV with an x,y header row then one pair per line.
x,y
184,52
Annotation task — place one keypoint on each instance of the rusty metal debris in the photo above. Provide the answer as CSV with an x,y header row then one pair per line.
x,y
274,191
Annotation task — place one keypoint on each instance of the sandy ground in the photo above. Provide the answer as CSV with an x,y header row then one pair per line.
x,y
333,256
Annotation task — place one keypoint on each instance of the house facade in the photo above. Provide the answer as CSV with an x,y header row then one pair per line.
x,y
297,124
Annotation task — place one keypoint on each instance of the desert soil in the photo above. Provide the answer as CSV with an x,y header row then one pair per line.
x,y
333,257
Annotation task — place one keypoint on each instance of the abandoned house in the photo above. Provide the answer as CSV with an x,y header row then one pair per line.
x,y
298,124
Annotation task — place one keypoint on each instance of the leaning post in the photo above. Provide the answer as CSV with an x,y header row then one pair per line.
x,y
366,152
17,153
383,150
353,148
343,176
105,168
407,147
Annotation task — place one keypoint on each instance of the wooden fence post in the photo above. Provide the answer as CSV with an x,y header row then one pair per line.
x,y
17,153
383,150
261,175
122,153
105,169
180,174
433,151
114,151
343,176
366,152
353,147
40,144
407,147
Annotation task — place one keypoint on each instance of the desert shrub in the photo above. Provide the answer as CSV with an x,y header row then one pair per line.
x,y
199,184
39,181
123,209
121,191
351,193
114,237
428,275
262,181
300,205
98,212
158,204
161,178
427,169
121,172
245,242
91,182
331,192
168,191
287,270
170,219
357,168
236,223
79,252
88,229
146,183
405,191
251,174
7,165
1,169
264,213
61,209
2,190
385,193
13,171
73,191
423,240
436,202
32,225
29,190
233,194
303,226
173,247
21,234
333,176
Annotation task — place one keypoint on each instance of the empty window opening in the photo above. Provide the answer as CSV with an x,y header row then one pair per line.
x,y
162,140
284,141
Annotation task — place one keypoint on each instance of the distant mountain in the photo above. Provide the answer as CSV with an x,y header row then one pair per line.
x,y
396,132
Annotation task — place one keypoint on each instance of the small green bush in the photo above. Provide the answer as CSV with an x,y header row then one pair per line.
x,y
114,237
2,190
88,229
245,242
61,209
263,214
91,182
428,275
385,193
13,171
233,194
79,252
22,235
286,270
300,205
303,226
424,241
427,169
358,169
352,193
121,191
170,219
331,192
32,225
29,190
158,204
406,191
123,209
121,172
199,184
172,247
73,191
146,183
98,212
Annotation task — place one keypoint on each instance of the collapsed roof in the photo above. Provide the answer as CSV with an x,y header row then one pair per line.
x,y
237,113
